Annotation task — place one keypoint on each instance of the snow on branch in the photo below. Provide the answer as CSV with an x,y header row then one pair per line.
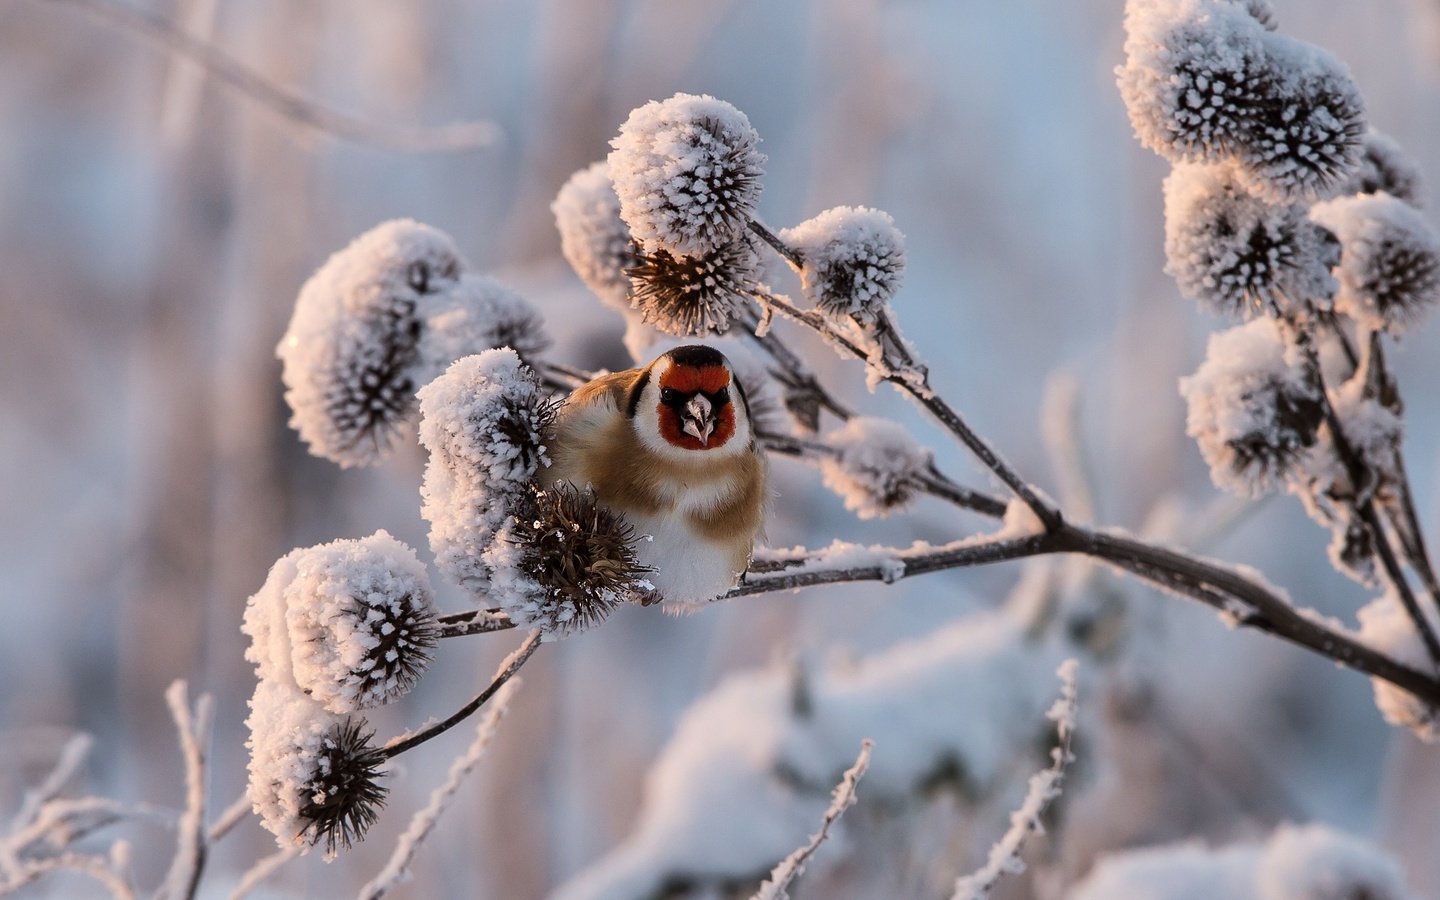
x,y
1044,787
193,725
793,866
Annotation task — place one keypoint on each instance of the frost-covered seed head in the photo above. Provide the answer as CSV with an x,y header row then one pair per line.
x,y
483,422
361,622
478,313
579,554
1237,254
1389,262
687,173
1252,411
695,295
343,796
594,239
349,353
313,775
875,466
1385,626
854,260
1204,81
1263,12
1352,550
1189,76
1386,168
1316,862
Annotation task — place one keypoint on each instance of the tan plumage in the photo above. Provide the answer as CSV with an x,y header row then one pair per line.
x,y
700,499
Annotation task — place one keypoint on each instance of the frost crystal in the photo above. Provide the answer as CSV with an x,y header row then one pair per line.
x,y
1252,411
593,237
687,173
353,340
1235,253
1389,261
875,466
1204,80
1386,627
1384,167
313,775
361,622
695,295
854,260
482,422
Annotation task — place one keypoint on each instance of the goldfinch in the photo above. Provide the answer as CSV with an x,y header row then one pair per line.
x,y
670,447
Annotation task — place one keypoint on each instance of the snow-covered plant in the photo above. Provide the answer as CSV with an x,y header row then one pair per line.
x,y
1389,268
593,238
876,468
699,294
1386,168
854,258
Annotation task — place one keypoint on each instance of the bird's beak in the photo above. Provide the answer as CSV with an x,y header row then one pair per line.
x,y
698,421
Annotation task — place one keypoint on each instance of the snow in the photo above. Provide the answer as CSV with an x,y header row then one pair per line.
x,y
1388,628
854,259
1251,409
593,237
287,731
1309,862
482,423
1389,269
687,173
743,778
874,466
1232,251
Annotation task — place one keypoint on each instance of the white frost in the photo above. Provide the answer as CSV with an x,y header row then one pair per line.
x,y
854,259
874,467
1389,259
1386,627
593,237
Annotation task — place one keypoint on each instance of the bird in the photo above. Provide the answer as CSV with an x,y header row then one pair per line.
x,y
671,447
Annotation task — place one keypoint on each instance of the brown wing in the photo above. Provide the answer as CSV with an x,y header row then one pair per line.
x,y
615,386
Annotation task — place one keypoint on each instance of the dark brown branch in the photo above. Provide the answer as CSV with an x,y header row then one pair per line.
x,y
456,137
508,668
790,254
479,621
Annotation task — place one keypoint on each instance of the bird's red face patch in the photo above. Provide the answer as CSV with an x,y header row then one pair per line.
x,y
680,389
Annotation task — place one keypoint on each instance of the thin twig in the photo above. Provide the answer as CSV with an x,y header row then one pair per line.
x,y
183,879
480,621
263,869
233,815
424,820
455,137
790,254
508,668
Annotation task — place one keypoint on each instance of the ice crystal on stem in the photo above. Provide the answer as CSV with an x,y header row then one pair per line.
x,y
687,173
1235,253
1389,261
1252,409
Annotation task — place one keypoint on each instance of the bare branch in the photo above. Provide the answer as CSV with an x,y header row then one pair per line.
x,y
263,869
183,879
453,138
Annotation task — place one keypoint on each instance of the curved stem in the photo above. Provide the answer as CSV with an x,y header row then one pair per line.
x,y
508,668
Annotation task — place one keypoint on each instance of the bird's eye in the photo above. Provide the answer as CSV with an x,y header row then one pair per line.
x,y
419,276
722,396
669,396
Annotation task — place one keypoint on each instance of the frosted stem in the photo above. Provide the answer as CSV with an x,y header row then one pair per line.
x,y
456,137
183,879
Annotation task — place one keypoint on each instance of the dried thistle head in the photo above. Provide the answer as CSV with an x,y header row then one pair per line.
x,y
687,173
854,260
342,797
478,313
695,295
580,556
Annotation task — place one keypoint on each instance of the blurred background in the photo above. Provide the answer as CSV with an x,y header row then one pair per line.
x,y
157,225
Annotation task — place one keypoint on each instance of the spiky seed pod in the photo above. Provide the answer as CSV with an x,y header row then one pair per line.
x,y
478,313
1386,168
361,622
1237,254
687,173
854,260
1204,81
482,422
695,295
343,796
1389,262
349,352
1190,75
579,555
1305,136
1385,626
594,239
875,466
1252,410
314,776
